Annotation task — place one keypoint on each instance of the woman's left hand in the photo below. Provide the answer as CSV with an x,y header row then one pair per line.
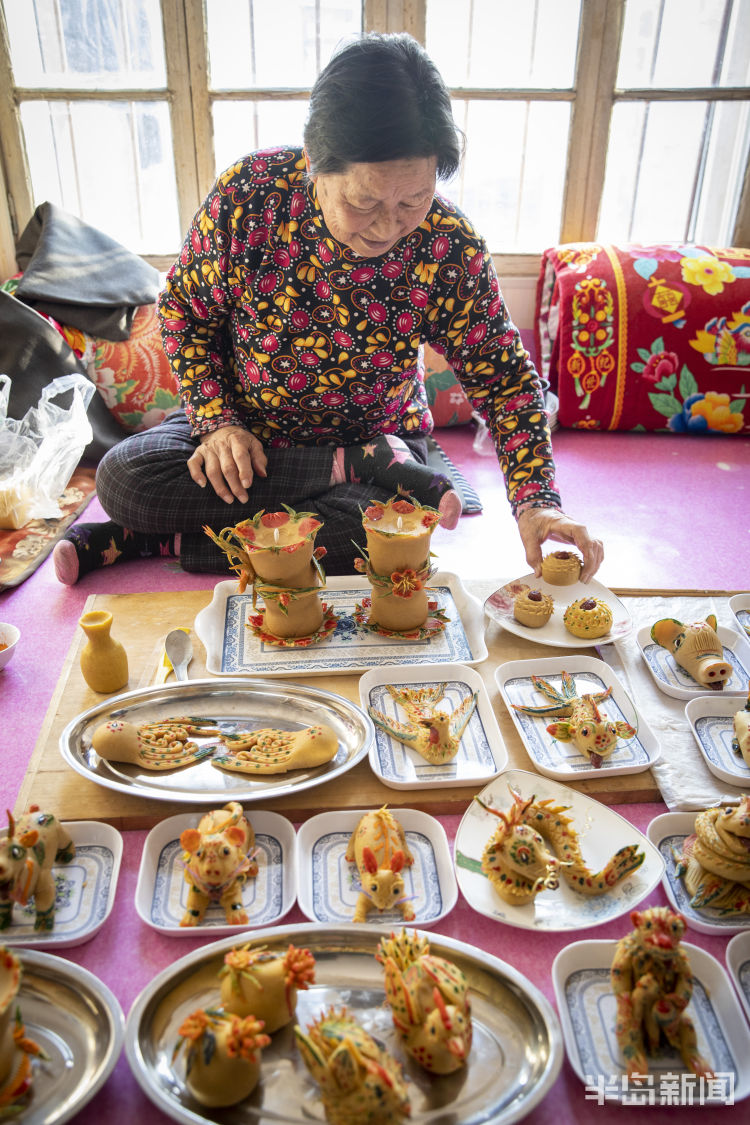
x,y
536,525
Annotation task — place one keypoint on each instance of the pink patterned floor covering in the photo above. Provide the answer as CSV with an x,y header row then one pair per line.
x,y
672,512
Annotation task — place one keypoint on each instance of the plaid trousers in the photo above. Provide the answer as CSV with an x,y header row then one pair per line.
x,y
143,484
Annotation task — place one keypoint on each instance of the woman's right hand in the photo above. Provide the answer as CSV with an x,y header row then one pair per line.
x,y
228,458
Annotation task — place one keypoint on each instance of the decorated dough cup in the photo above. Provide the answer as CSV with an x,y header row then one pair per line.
x,y
533,608
398,535
281,545
561,568
299,617
588,618
398,613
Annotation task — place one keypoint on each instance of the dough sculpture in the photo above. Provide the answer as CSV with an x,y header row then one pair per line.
x,y
16,1049
696,648
378,847
519,864
741,740
714,863
262,983
533,608
429,1002
34,842
154,746
588,618
360,1083
217,864
561,568
277,751
433,733
653,985
222,1055
591,732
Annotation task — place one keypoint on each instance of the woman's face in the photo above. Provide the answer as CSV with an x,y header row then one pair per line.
x,y
369,207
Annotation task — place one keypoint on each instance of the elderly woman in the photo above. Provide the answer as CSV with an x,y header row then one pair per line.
x,y
293,319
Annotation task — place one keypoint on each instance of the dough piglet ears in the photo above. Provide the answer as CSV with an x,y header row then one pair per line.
x,y
665,631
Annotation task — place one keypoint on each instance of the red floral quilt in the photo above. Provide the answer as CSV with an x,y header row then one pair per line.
x,y
646,337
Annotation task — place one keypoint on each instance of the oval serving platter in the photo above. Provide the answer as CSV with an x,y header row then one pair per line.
x,y
232,705
515,1058
79,1024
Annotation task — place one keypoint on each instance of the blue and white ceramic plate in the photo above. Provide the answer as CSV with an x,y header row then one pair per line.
x,y
740,607
561,759
588,1012
601,833
673,680
84,890
711,719
738,963
668,833
481,752
328,886
232,649
161,893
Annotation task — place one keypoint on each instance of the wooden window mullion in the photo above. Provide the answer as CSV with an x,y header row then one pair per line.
x,y
176,15
596,74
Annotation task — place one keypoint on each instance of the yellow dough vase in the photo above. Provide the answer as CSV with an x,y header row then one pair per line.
x,y
104,662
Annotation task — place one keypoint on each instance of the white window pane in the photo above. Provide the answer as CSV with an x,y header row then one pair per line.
x,y
726,161
668,167
91,44
255,43
513,178
112,166
685,43
504,43
242,127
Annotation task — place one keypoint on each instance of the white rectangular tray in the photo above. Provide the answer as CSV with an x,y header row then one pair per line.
x,y
481,753
561,759
233,649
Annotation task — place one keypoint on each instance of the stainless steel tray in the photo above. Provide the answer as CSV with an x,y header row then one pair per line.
x,y
515,1057
231,704
80,1025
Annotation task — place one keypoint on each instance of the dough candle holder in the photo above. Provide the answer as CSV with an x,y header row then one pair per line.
x,y
398,565
275,553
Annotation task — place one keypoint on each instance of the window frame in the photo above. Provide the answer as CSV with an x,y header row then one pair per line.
x,y
592,96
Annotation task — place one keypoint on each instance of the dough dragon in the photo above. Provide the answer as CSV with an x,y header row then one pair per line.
x,y
519,864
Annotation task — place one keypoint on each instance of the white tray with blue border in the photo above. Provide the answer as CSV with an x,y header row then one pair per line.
x,y
740,607
328,887
711,719
233,649
161,893
588,1013
668,833
84,890
561,759
481,752
738,963
673,680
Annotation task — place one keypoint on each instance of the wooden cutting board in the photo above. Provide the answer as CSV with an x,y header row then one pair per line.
x,y
141,622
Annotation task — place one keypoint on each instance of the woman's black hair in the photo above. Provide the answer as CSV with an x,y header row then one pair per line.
x,y
381,97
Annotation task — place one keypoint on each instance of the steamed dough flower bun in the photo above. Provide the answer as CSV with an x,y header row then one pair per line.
x,y
533,608
588,618
561,568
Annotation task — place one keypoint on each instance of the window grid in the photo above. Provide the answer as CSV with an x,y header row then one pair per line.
x,y
593,96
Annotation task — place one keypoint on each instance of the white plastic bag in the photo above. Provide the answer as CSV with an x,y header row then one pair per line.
x,y
39,453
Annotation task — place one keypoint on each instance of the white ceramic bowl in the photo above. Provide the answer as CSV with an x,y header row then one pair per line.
x,y
10,636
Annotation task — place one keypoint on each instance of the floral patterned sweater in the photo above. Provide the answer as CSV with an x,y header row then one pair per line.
x,y
272,324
